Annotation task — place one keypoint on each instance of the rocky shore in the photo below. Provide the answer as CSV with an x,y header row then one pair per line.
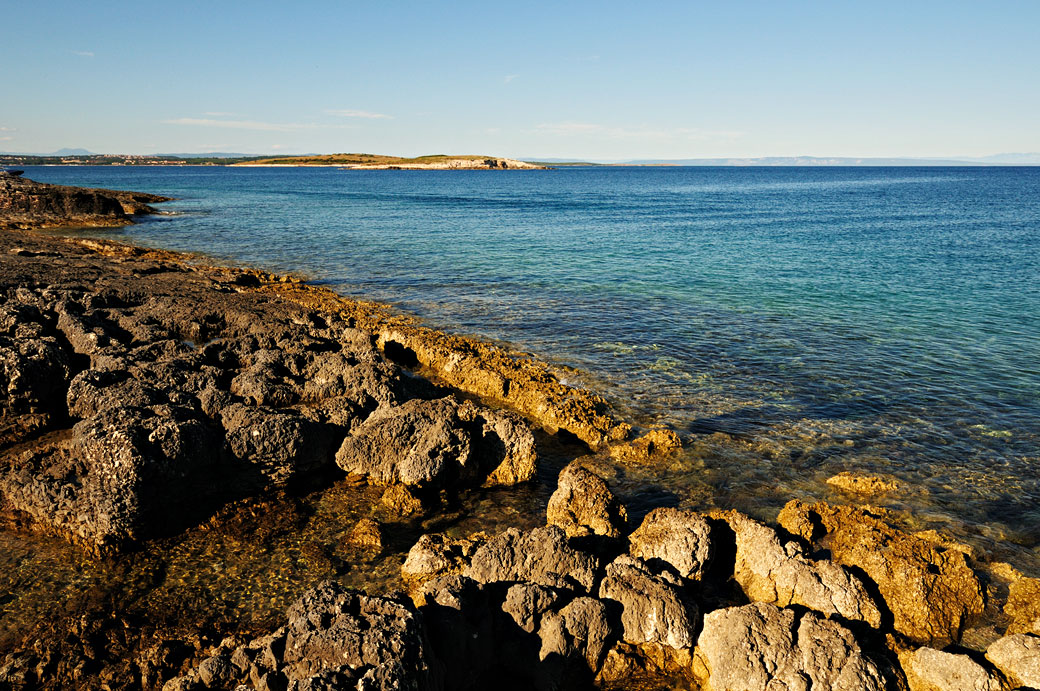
x,y
25,203
148,393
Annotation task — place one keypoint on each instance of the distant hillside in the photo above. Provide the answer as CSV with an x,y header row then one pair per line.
x,y
380,162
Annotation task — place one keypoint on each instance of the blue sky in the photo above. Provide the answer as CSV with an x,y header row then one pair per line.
x,y
604,80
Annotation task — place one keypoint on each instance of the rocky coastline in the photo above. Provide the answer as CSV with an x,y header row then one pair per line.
x,y
147,393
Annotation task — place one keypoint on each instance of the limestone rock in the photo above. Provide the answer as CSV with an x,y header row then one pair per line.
x,y
25,203
438,555
655,608
760,646
928,669
1018,657
681,539
780,573
1023,606
526,603
584,505
858,483
280,444
654,443
401,501
930,590
580,629
437,444
366,534
541,556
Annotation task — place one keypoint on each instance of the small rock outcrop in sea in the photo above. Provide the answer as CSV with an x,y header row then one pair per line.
x,y
25,203
584,505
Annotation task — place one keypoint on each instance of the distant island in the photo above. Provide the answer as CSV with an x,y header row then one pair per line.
x,y
380,162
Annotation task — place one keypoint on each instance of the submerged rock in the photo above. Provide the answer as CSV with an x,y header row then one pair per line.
x,y
584,505
652,445
856,483
760,646
931,590
1023,606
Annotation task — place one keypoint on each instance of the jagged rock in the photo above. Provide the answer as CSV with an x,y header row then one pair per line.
x,y
779,573
655,443
759,646
581,629
930,589
1018,657
25,203
541,556
437,444
366,534
681,539
928,669
655,608
1023,606
437,555
584,505
279,444
526,603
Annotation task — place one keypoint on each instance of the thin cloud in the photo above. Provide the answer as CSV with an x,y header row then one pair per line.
x,y
8,129
6,139
83,53
367,115
246,124
509,77
217,114
571,129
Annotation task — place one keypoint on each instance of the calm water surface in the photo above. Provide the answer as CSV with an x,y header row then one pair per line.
x,y
793,322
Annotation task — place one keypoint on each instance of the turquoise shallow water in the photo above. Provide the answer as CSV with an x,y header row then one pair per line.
x,y
794,322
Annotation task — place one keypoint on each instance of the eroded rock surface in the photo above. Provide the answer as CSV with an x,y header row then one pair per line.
x,y
1018,657
930,589
928,669
25,203
584,505
760,646
681,539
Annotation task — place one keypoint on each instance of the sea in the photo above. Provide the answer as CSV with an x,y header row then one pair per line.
x,y
789,323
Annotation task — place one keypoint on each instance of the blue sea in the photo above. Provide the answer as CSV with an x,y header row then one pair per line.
x,y
790,322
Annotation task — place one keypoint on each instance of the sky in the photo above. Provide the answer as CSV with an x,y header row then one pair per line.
x,y
596,80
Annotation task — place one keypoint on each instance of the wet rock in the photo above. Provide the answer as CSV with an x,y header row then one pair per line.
x,y
760,646
541,556
769,570
437,555
1018,657
681,539
1023,606
437,444
928,669
655,608
930,589
584,505
856,483
401,501
366,534
653,444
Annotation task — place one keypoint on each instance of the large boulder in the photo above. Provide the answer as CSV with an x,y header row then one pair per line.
x,y
930,588
761,647
769,570
1018,657
541,556
334,638
584,505
679,538
655,607
928,669
436,555
438,444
